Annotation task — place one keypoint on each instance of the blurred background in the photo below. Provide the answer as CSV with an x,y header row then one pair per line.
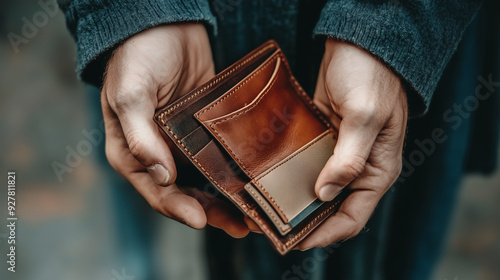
x,y
67,228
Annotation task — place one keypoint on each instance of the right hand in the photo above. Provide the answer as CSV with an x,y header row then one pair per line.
x,y
148,71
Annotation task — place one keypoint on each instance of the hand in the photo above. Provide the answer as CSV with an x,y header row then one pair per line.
x,y
148,71
367,104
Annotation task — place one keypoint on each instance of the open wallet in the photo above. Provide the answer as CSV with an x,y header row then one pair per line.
x,y
258,138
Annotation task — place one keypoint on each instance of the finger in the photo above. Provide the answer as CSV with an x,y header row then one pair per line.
x,y
221,214
252,226
346,223
171,202
135,114
357,133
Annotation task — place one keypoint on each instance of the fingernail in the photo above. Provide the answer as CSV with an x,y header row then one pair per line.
x,y
160,174
329,192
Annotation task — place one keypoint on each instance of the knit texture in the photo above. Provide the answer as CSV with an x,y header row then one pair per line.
x,y
98,26
416,38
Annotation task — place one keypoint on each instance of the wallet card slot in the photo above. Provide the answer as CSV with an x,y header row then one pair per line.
x,y
289,185
244,93
196,140
273,216
220,165
273,126
183,124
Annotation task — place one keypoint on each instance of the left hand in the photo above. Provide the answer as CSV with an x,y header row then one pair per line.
x,y
367,104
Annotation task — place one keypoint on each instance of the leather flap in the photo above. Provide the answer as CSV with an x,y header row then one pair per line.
x,y
270,125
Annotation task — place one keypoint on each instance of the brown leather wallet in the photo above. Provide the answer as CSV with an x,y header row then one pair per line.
x,y
259,139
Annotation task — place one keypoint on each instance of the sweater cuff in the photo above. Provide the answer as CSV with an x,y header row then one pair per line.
x,y
416,53
101,30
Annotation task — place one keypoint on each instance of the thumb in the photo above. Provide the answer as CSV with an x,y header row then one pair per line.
x,y
357,133
144,139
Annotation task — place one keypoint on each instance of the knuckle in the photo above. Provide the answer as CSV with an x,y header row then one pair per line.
x,y
353,168
135,144
364,112
126,95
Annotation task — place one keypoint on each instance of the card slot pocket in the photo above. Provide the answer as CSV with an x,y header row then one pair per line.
x,y
196,140
244,95
184,123
290,195
266,130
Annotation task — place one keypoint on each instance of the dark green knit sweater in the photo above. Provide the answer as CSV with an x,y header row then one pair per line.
x,y
416,38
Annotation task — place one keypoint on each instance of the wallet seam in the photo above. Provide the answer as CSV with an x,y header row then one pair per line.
x,y
279,243
246,205
267,210
325,133
299,92
233,155
252,106
305,98
266,193
247,79
262,188
162,115
310,224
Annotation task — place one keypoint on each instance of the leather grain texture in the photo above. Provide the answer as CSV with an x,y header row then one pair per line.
x,y
240,124
290,182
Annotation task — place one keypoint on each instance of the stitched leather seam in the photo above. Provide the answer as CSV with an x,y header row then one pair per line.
x,y
161,117
309,145
246,205
226,95
312,107
250,107
264,191
266,229
262,188
243,166
263,226
273,202
267,210
299,235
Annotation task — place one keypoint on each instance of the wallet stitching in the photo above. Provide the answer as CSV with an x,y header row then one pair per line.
x,y
195,160
244,206
256,181
251,107
310,224
298,92
298,89
267,209
273,202
243,166
161,117
226,95
304,149
266,229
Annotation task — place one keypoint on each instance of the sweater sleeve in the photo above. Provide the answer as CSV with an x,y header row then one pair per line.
x,y
416,38
98,26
